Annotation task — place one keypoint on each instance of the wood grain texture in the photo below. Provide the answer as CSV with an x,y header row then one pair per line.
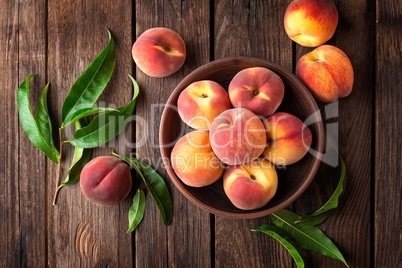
x,y
388,133
32,179
81,233
59,39
151,235
349,227
189,236
187,241
250,28
10,233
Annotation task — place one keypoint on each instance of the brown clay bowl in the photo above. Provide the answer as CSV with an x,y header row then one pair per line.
x,y
292,180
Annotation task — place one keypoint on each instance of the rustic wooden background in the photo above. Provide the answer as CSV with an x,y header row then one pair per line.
x,y
57,39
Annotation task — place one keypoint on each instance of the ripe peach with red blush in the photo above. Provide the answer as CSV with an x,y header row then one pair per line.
x,y
237,136
311,23
159,52
193,160
327,72
105,180
250,185
257,89
201,102
289,139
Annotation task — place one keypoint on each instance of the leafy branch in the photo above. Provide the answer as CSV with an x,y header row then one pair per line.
x,y
107,124
295,232
155,185
77,105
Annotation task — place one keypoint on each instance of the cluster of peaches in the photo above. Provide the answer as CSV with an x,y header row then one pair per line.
x,y
237,137
326,71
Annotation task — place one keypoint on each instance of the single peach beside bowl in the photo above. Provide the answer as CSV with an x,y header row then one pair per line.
x,y
159,52
311,23
327,72
105,180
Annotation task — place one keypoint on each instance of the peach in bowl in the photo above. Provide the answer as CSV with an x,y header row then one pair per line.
x,y
293,180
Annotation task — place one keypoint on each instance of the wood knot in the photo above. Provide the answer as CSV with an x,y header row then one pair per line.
x,y
85,245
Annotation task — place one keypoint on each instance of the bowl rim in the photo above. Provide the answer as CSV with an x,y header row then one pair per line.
x,y
248,214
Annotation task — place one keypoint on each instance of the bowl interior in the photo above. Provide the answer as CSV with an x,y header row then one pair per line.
x,y
292,180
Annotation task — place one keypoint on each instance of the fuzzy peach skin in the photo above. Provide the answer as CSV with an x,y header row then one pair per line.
x,y
327,72
258,89
193,160
289,139
201,102
159,52
311,23
237,136
251,185
105,180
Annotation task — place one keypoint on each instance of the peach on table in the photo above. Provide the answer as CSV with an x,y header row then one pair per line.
x,y
159,52
327,72
311,23
105,180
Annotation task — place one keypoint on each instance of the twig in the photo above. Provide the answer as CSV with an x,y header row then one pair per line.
x,y
58,170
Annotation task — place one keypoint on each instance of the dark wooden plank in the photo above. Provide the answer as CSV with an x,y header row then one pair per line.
x,y
388,133
151,234
81,233
10,233
189,236
32,162
187,241
250,28
349,227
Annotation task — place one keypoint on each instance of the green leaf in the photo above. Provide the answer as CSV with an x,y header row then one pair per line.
x,y
77,115
38,130
332,204
286,240
80,159
105,126
91,83
42,118
136,212
155,184
307,236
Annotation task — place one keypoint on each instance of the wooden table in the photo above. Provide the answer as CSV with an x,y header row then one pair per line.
x,y
59,39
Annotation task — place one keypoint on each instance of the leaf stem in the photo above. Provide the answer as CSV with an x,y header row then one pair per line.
x,y
58,169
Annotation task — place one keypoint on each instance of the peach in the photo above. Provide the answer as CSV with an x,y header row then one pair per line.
x,y
289,139
327,72
105,180
258,89
237,136
159,52
201,102
311,23
193,160
251,185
